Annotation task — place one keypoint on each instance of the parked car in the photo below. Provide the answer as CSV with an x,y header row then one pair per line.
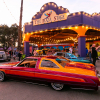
x,y
72,57
56,70
4,56
51,51
40,52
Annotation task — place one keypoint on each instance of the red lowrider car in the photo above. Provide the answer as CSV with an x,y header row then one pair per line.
x,y
58,71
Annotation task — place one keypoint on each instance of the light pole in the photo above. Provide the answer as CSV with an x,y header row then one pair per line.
x,y
20,27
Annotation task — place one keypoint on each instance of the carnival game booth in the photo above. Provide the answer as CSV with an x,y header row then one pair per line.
x,y
56,25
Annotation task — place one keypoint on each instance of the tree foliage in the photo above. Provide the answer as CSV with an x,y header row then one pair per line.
x,y
8,36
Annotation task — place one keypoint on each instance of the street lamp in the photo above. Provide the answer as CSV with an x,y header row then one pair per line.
x,y
20,27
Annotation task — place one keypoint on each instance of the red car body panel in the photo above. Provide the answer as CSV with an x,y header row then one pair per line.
x,y
72,79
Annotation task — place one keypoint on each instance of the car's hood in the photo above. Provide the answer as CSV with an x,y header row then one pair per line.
x,y
10,64
81,65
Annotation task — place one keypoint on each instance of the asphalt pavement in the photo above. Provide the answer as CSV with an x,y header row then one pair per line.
x,y
18,90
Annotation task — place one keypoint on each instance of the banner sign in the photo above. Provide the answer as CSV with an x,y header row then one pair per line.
x,y
50,16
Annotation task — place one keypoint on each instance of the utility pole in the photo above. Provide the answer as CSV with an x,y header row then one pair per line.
x,y
20,27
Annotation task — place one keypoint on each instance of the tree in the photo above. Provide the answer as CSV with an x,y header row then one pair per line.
x,y
8,36
14,33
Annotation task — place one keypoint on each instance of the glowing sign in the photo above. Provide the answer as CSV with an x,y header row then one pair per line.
x,y
50,16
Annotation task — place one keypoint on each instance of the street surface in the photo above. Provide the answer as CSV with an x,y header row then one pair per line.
x,y
17,90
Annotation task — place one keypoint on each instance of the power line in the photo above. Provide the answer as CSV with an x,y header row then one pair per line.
x,y
9,11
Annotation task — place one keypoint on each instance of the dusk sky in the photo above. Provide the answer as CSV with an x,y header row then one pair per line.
x,y
30,7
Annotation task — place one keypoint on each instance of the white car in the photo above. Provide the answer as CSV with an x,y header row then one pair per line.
x,y
4,56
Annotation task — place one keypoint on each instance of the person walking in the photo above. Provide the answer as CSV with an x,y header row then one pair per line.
x,y
94,54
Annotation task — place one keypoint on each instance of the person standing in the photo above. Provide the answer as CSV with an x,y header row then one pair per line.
x,y
86,51
70,50
10,53
19,55
89,53
94,54
35,53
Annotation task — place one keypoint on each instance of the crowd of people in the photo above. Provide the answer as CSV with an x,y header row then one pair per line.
x,y
91,53
15,54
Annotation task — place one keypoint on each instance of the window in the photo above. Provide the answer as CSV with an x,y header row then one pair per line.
x,y
29,63
62,61
67,56
71,55
61,54
48,63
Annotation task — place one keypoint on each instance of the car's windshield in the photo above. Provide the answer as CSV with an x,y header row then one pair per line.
x,y
62,61
71,55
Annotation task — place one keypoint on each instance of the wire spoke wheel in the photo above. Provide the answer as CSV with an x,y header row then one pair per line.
x,y
57,86
2,76
99,57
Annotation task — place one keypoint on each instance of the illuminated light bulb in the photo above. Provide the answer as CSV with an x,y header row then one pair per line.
x,y
86,14
68,13
73,13
82,26
49,3
62,8
31,33
45,5
57,29
69,27
52,3
90,27
66,9
94,28
76,27
55,5
59,7
86,27
89,15
42,8
83,12
63,28
35,32
41,31
79,13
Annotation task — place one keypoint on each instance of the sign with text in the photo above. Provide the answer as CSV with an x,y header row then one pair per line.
x,y
50,16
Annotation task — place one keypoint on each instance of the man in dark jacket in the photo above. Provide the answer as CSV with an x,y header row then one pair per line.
x,y
94,54
19,55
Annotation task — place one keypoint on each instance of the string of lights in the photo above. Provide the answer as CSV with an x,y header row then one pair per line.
x,y
9,11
